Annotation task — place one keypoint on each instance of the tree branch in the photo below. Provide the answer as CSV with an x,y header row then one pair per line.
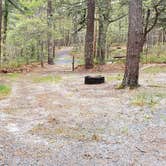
x,y
116,19
157,14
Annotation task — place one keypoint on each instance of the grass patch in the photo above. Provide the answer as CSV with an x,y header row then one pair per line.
x,y
153,59
155,69
13,76
147,99
4,91
156,54
118,77
47,79
125,130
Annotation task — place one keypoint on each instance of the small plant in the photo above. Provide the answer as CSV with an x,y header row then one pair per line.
x,y
147,117
4,91
125,130
48,79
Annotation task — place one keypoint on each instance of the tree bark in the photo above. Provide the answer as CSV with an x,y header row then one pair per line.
x,y
104,22
49,37
5,26
89,35
42,54
0,30
101,44
134,46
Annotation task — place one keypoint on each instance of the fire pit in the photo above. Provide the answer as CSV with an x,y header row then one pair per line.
x,y
94,79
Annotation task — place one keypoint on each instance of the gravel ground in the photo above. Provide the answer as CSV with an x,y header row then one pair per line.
x,y
71,124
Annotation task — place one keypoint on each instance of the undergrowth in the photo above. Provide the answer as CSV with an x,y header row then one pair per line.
x,y
4,91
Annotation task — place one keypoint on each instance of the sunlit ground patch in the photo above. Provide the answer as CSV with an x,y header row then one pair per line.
x,y
47,79
117,77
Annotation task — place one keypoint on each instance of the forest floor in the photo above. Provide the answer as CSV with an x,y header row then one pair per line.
x,y
52,119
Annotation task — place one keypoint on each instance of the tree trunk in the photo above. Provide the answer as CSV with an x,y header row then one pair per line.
x,y
54,46
101,44
42,54
89,35
5,26
104,13
95,37
0,30
75,40
49,40
134,47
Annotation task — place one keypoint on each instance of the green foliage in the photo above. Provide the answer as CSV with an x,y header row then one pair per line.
x,y
27,30
156,54
4,91
118,51
48,79
154,59
18,61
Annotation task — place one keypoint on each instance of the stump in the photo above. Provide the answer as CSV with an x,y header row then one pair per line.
x,y
94,80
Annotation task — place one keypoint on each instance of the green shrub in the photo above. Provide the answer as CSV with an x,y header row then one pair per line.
x,y
156,54
4,91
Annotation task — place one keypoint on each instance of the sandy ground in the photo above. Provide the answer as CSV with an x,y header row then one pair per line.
x,y
68,123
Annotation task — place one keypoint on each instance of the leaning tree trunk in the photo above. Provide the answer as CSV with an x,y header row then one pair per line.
x,y
134,46
0,30
89,35
49,37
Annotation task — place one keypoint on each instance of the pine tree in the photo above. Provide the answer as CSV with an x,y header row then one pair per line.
x,y
89,34
134,46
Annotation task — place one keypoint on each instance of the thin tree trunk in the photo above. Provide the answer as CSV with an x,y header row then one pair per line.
x,y
0,30
101,46
54,46
50,43
42,54
5,26
75,41
95,38
134,47
89,35
104,13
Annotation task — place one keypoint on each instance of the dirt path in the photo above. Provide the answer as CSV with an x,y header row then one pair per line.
x,y
63,57
68,123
